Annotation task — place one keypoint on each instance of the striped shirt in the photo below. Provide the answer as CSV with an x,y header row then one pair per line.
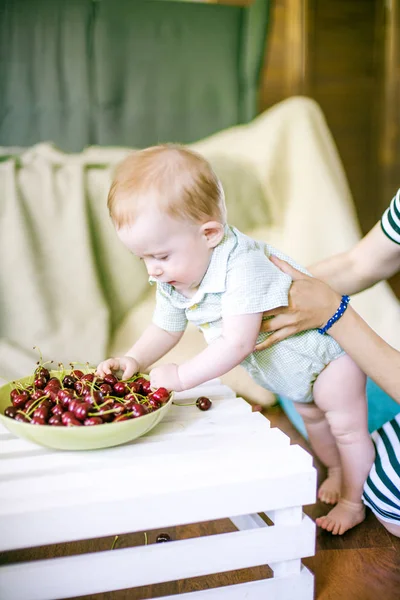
x,y
390,221
382,488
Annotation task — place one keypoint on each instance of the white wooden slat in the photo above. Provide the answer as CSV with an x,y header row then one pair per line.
x,y
53,463
293,587
88,516
291,516
286,567
220,408
286,516
211,390
207,424
248,522
182,471
131,567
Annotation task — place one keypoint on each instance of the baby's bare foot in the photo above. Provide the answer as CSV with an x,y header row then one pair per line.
x,y
329,490
344,516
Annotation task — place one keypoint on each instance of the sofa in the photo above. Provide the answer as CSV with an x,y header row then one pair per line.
x,y
70,288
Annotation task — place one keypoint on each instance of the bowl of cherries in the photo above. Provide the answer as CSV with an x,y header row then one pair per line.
x,y
76,410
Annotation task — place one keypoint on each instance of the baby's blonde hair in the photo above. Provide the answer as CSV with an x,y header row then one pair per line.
x,y
179,181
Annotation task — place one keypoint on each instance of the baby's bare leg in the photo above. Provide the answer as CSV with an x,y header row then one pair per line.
x,y
340,393
324,445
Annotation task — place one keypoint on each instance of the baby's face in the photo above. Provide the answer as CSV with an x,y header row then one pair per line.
x,y
174,251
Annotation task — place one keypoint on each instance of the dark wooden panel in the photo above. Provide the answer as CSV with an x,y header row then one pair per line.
x,y
341,72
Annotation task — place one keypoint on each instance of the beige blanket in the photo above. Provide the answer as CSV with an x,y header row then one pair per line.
x,y
70,287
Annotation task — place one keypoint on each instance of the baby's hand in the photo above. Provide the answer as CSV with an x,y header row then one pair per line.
x,y
127,364
166,376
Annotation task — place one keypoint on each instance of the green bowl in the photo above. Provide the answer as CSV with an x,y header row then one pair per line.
x,y
79,438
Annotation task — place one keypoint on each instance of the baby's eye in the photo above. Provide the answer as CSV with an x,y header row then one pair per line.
x,y
162,257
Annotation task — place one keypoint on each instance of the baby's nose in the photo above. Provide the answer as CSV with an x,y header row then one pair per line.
x,y
154,271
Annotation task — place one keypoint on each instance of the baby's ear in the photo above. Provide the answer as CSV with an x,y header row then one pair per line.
x,y
213,232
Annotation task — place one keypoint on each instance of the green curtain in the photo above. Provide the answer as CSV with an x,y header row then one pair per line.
x,y
126,72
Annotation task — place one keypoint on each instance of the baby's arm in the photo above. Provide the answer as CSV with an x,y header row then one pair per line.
x,y
238,339
152,345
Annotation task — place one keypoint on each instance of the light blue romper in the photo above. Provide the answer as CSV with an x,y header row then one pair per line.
x,y
241,279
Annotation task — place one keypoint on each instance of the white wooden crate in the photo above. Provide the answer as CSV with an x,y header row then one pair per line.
x,y
194,466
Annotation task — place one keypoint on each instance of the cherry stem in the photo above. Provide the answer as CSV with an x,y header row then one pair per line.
x,y
184,404
103,412
40,354
114,542
21,412
33,406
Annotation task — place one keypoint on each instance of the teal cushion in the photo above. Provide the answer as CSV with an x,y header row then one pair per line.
x,y
381,408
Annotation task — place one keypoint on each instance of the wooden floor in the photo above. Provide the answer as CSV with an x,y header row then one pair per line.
x,y
364,564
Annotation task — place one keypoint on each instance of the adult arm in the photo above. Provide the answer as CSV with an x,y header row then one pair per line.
x,y
374,258
312,303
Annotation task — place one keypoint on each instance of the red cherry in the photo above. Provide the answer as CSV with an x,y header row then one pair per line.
x,y
88,377
94,397
120,388
118,408
163,537
65,393
135,386
21,418
57,410
73,421
42,372
203,403
11,411
72,404
110,379
40,383
153,402
50,392
69,381
122,418
54,382
137,410
14,392
41,413
56,421
105,389
66,417
146,387
82,386
131,398
93,421
104,414
161,394
81,410
20,400
29,404
65,397
37,394
77,373
38,421
46,402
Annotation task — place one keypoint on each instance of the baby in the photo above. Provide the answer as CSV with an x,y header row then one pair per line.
x,y
168,209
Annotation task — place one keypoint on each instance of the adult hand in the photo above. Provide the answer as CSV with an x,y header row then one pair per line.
x,y
311,303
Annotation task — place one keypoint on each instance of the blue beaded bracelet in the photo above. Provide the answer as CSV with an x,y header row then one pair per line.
x,y
343,305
